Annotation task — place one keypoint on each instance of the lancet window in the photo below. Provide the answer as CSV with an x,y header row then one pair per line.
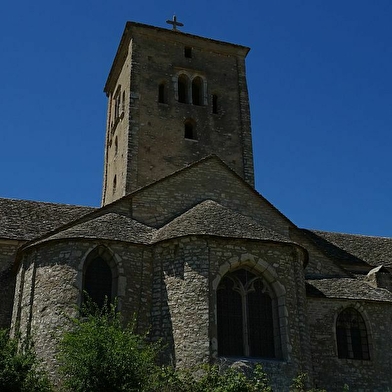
x,y
99,277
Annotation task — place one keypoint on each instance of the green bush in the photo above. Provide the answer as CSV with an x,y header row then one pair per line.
x,y
98,354
19,368
209,379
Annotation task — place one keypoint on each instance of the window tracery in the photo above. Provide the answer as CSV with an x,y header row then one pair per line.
x,y
245,316
351,335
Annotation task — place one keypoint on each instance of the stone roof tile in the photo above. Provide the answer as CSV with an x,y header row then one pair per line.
x,y
25,219
346,288
357,248
111,226
211,218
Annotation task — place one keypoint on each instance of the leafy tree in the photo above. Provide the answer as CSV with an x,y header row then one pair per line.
x,y
98,354
19,368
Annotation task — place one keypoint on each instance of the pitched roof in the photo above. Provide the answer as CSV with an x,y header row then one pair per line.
x,y
356,249
110,226
346,288
211,218
25,219
206,218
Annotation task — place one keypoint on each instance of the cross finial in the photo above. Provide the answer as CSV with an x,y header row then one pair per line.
x,y
175,23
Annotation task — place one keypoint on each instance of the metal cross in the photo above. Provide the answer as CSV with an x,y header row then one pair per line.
x,y
174,23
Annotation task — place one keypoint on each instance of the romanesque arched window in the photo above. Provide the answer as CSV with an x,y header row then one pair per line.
x,y
245,316
351,335
99,277
197,91
183,89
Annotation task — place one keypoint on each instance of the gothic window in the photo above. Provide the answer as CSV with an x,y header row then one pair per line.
x,y
98,277
245,316
351,335
190,130
162,93
197,91
183,89
115,145
215,104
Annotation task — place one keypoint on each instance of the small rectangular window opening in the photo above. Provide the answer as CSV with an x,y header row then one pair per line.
x,y
215,104
162,93
188,52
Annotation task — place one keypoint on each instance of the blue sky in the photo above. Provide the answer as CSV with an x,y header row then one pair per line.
x,y
320,84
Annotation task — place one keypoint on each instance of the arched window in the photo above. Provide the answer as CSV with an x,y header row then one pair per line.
x,y
245,316
162,93
190,130
197,91
183,89
351,335
98,277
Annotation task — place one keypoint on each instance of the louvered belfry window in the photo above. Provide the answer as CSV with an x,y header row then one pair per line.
x,y
244,316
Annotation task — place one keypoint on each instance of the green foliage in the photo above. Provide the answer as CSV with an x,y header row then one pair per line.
x,y
210,379
19,368
98,354
299,384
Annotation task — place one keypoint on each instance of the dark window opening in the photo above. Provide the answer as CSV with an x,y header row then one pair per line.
x,y
215,104
98,281
183,89
244,316
115,145
197,91
351,335
117,104
190,130
162,93
123,102
188,52
114,184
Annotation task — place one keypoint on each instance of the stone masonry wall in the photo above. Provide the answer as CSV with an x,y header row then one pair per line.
x,y
332,373
8,251
147,141
50,286
162,147
159,203
319,264
187,272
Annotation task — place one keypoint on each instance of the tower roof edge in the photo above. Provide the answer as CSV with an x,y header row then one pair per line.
x,y
134,28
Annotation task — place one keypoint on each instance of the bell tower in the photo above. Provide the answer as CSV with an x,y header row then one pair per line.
x,y
173,98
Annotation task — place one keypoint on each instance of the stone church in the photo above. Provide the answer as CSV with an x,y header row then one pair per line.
x,y
186,243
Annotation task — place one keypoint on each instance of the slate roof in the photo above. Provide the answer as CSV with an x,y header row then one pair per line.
x,y
211,218
206,218
346,288
110,226
25,219
356,249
